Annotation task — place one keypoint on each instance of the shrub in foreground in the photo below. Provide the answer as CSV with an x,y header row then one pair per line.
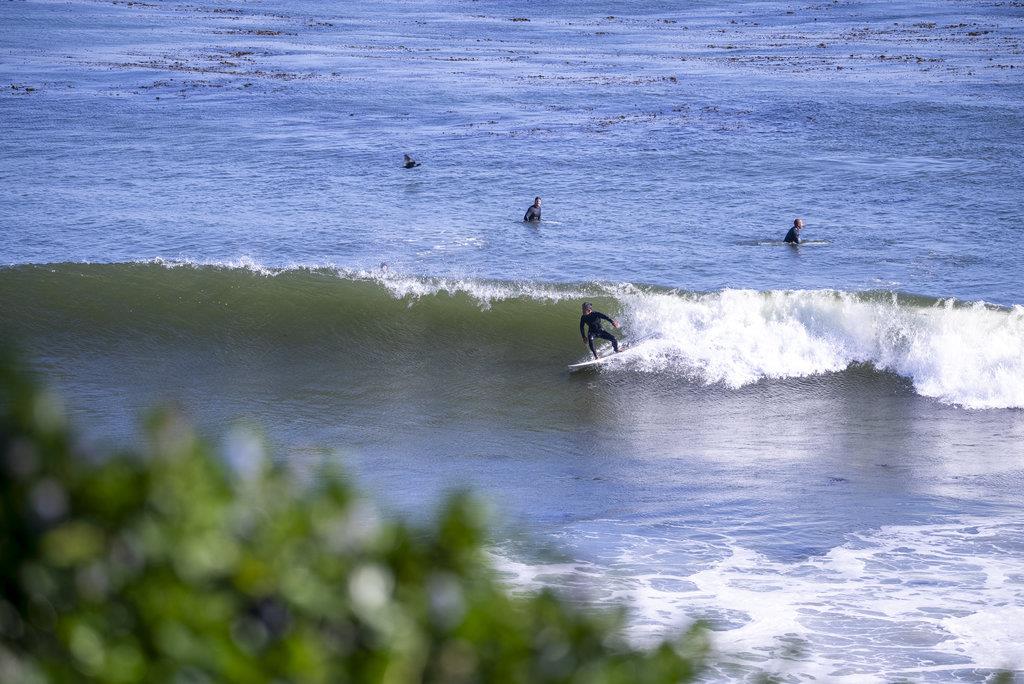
x,y
169,565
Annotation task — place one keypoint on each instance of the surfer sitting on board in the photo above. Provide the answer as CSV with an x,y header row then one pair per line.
x,y
793,236
533,213
593,321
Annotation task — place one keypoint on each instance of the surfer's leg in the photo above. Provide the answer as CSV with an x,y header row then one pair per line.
x,y
605,335
590,343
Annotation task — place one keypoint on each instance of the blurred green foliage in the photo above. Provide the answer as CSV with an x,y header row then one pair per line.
x,y
180,564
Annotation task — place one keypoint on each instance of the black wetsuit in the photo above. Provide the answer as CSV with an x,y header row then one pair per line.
x,y
532,214
594,330
793,236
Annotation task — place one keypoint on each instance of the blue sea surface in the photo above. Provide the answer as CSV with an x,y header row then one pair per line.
x,y
673,144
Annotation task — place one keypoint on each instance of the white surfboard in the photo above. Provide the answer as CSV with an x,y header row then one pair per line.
x,y
590,362
624,348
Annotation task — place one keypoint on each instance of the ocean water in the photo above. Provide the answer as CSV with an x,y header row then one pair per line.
x,y
819,449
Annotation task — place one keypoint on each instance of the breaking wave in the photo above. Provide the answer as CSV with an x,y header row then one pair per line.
x,y
969,354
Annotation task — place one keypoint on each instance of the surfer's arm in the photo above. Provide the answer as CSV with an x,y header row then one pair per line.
x,y
615,323
581,330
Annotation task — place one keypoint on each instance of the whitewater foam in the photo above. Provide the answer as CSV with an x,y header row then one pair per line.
x,y
919,600
971,355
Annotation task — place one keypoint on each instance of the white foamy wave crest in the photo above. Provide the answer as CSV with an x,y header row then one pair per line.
x,y
398,284
484,293
242,263
970,355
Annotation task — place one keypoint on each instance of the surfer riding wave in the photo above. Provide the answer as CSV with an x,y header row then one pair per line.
x,y
592,319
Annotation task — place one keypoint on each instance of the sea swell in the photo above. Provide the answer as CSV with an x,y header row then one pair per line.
x,y
968,354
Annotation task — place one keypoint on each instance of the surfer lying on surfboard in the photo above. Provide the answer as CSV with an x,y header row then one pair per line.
x,y
592,319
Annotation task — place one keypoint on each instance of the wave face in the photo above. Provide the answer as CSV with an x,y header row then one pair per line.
x,y
964,354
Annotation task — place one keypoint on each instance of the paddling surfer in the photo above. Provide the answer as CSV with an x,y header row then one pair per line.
x,y
793,236
533,213
592,319
410,163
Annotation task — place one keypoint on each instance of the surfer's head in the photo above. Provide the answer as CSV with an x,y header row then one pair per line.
x,y
798,223
536,201
587,308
